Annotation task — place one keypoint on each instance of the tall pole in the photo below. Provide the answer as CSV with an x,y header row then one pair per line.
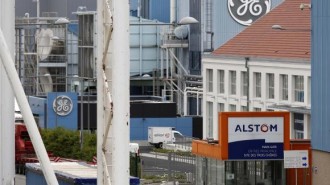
x,y
120,92
7,134
100,92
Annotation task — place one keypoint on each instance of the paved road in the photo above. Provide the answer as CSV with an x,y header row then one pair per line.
x,y
20,180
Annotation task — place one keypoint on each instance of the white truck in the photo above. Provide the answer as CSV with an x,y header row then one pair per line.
x,y
158,136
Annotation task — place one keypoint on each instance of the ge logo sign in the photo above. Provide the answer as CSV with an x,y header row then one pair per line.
x,y
62,105
246,12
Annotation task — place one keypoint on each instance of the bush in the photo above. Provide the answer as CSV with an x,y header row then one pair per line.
x,y
66,143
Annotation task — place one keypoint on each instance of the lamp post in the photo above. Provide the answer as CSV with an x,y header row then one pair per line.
x,y
78,81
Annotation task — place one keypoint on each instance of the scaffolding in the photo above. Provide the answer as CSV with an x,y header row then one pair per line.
x,y
41,54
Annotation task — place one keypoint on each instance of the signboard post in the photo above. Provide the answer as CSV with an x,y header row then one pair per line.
x,y
296,159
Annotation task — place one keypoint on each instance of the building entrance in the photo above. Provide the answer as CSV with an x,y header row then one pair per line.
x,y
254,172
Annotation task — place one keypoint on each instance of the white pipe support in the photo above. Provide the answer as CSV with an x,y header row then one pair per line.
x,y
30,123
120,93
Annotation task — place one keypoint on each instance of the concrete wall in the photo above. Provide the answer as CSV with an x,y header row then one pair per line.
x,y
321,168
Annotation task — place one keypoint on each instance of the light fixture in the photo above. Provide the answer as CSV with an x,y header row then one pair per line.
x,y
188,20
277,27
302,6
62,21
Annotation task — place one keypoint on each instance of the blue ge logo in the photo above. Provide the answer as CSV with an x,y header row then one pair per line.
x,y
62,105
246,12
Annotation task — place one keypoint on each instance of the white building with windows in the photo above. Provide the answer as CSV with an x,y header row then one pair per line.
x,y
262,69
270,86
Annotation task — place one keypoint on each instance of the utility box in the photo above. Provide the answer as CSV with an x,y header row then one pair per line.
x,y
67,173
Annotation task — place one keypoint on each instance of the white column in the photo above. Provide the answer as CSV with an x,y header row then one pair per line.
x,y
7,134
8,65
100,91
120,92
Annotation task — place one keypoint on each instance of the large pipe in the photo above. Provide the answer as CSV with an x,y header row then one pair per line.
x,y
173,11
7,134
100,94
120,92
9,65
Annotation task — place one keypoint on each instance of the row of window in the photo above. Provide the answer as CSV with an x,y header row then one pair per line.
x,y
298,84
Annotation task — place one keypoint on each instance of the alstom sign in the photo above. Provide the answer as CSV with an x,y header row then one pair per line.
x,y
256,128
255,138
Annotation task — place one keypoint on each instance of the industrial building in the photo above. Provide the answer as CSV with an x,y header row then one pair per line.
x,y
320,90
266,67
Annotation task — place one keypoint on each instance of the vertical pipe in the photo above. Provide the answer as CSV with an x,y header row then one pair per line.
x,y
7,133
100,91
248,83
120,92
185,106
197,103
173,11
161,63
167,65
140,46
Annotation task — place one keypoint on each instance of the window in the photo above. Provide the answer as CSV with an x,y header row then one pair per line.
x,y
232,108
298,121
257,109
232,82
284,87
209,80
257,77
221,107
270,85
209,118
244,108
309,90
221,81
298,88
244,84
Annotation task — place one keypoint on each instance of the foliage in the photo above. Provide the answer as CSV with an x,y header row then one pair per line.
x,y
66,143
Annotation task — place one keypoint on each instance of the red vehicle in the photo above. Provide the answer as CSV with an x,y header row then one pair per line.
x,y
24,152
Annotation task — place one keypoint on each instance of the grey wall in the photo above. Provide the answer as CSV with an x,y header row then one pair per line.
x,y
320,75
64,8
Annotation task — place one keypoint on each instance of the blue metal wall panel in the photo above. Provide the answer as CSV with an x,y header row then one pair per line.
x,y
159,10
139,126
320,124
54,119
38,107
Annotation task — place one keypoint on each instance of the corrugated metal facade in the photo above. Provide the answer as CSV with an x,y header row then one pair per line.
x,y
144,46
159,10
320,75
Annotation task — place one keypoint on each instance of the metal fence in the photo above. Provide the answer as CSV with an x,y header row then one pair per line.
x,y
168,168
